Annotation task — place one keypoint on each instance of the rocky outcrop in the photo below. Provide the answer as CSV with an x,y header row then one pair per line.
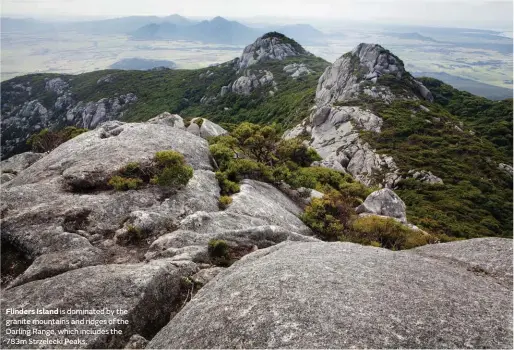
x,y
205,128
296,70
384,202
359,71
24,115
166,118
19,162
60,212
343,295
425,176
144,292
506,168
250,81
334,133
271,46
91,114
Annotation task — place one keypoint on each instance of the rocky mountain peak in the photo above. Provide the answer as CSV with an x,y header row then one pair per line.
x,y
270,46
369,69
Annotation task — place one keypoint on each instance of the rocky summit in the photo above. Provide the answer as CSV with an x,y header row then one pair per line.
x,y
272,201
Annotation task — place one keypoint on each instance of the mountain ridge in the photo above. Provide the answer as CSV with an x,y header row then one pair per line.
x,y
365,99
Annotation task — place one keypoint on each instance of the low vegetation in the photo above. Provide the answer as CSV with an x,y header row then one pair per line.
x,y
475,199
47,140
167,169
224,202
386,233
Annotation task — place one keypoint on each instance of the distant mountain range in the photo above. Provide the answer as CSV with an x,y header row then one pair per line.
x,y
174,27
220,31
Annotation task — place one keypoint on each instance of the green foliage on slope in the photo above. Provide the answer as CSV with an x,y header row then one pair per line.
x,y
490,119
180,91
476,198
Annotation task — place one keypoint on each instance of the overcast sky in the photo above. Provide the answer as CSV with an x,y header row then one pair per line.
x,y
472,13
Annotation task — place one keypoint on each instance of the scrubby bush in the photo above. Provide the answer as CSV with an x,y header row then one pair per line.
x,y
224,202
388,232
172,170
46,140
222,155
199,122
121,183
294,150
168,169
227,187
328,216
218,248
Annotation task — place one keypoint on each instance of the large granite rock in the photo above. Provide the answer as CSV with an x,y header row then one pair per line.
x,y
167,118
334,133
60,213
386,203
207,129
352,74
249,82
19,162
147,293
263,201
343,295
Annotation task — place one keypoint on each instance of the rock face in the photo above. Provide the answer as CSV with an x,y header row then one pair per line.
x,y
91,114
167,118
386,203
359,72
271,46
342,295
249,82
506,168
60,213
19,162
145,291
206,129
296,70
20,120
333,131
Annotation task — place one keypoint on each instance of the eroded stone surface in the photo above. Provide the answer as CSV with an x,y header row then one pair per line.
x,y
343,295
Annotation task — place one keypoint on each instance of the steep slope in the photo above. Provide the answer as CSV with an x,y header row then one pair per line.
x,y
490,119
375,121
264,91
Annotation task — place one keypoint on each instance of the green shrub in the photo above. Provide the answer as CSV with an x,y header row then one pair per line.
x,y
328,216
168,169
388,232
218,248
173,176
121,183
46,140
294,150
222,155
172,170
227,187
224,202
